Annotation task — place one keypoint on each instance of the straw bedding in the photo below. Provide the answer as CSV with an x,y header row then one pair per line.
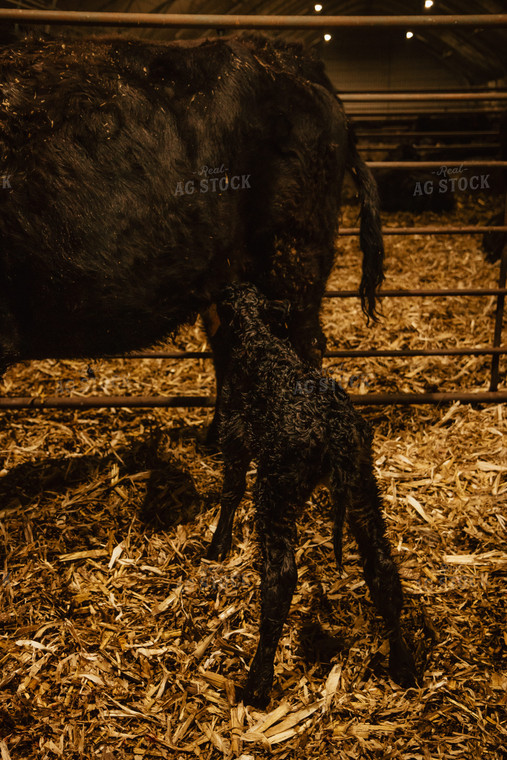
x,y
118,640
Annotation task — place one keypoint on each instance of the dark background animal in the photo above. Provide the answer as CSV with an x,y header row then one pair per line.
x,y
419,190
301,428
409,189
493,242
442,123
108,241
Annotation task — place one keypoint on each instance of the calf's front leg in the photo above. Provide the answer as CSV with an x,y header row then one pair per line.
x,y
277,533
233,489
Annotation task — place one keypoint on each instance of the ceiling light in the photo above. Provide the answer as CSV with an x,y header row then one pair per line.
x,y
428,3
318,8
409,35
327,37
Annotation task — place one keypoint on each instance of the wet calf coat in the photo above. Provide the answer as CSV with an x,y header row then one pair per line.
x,y
297,440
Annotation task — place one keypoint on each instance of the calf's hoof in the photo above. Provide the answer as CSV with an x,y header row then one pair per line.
x,y
402,667
217,552
253,697
256,691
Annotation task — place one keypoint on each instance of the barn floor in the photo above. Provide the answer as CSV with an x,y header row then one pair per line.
x,y
117,640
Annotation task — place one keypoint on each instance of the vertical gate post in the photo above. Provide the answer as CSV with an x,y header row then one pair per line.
x,y
500,301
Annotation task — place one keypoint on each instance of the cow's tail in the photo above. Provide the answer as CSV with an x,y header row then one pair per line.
x,y
370,235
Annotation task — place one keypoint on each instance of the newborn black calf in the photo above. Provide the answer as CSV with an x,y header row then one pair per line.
x,y
300,429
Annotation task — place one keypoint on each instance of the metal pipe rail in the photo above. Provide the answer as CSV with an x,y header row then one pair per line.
x,y
430,133
400,114
479,230
500,308
260,21
344,354
426,293
402,352
405,97
436,164
175,402
433,146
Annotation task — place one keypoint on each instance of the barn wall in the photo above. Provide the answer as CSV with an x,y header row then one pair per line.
x,y
371,60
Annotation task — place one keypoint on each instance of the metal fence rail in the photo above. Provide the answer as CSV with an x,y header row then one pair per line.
x,y
184,402
403,352
260,21
475,163
213,21
361,133
434,147
397,115
430,230
407,97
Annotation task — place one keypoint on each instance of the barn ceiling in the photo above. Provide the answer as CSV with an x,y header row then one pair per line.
x,y
477,55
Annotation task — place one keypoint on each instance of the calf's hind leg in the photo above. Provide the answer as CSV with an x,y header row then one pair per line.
x,y
364,514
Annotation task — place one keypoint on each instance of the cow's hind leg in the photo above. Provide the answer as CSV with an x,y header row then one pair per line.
x,y
299,274
9,340
307,336
220,355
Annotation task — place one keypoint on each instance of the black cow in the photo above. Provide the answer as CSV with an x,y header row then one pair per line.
x,y
139,177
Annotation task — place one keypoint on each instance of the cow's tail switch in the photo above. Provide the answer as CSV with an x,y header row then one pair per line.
x,y
370,235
